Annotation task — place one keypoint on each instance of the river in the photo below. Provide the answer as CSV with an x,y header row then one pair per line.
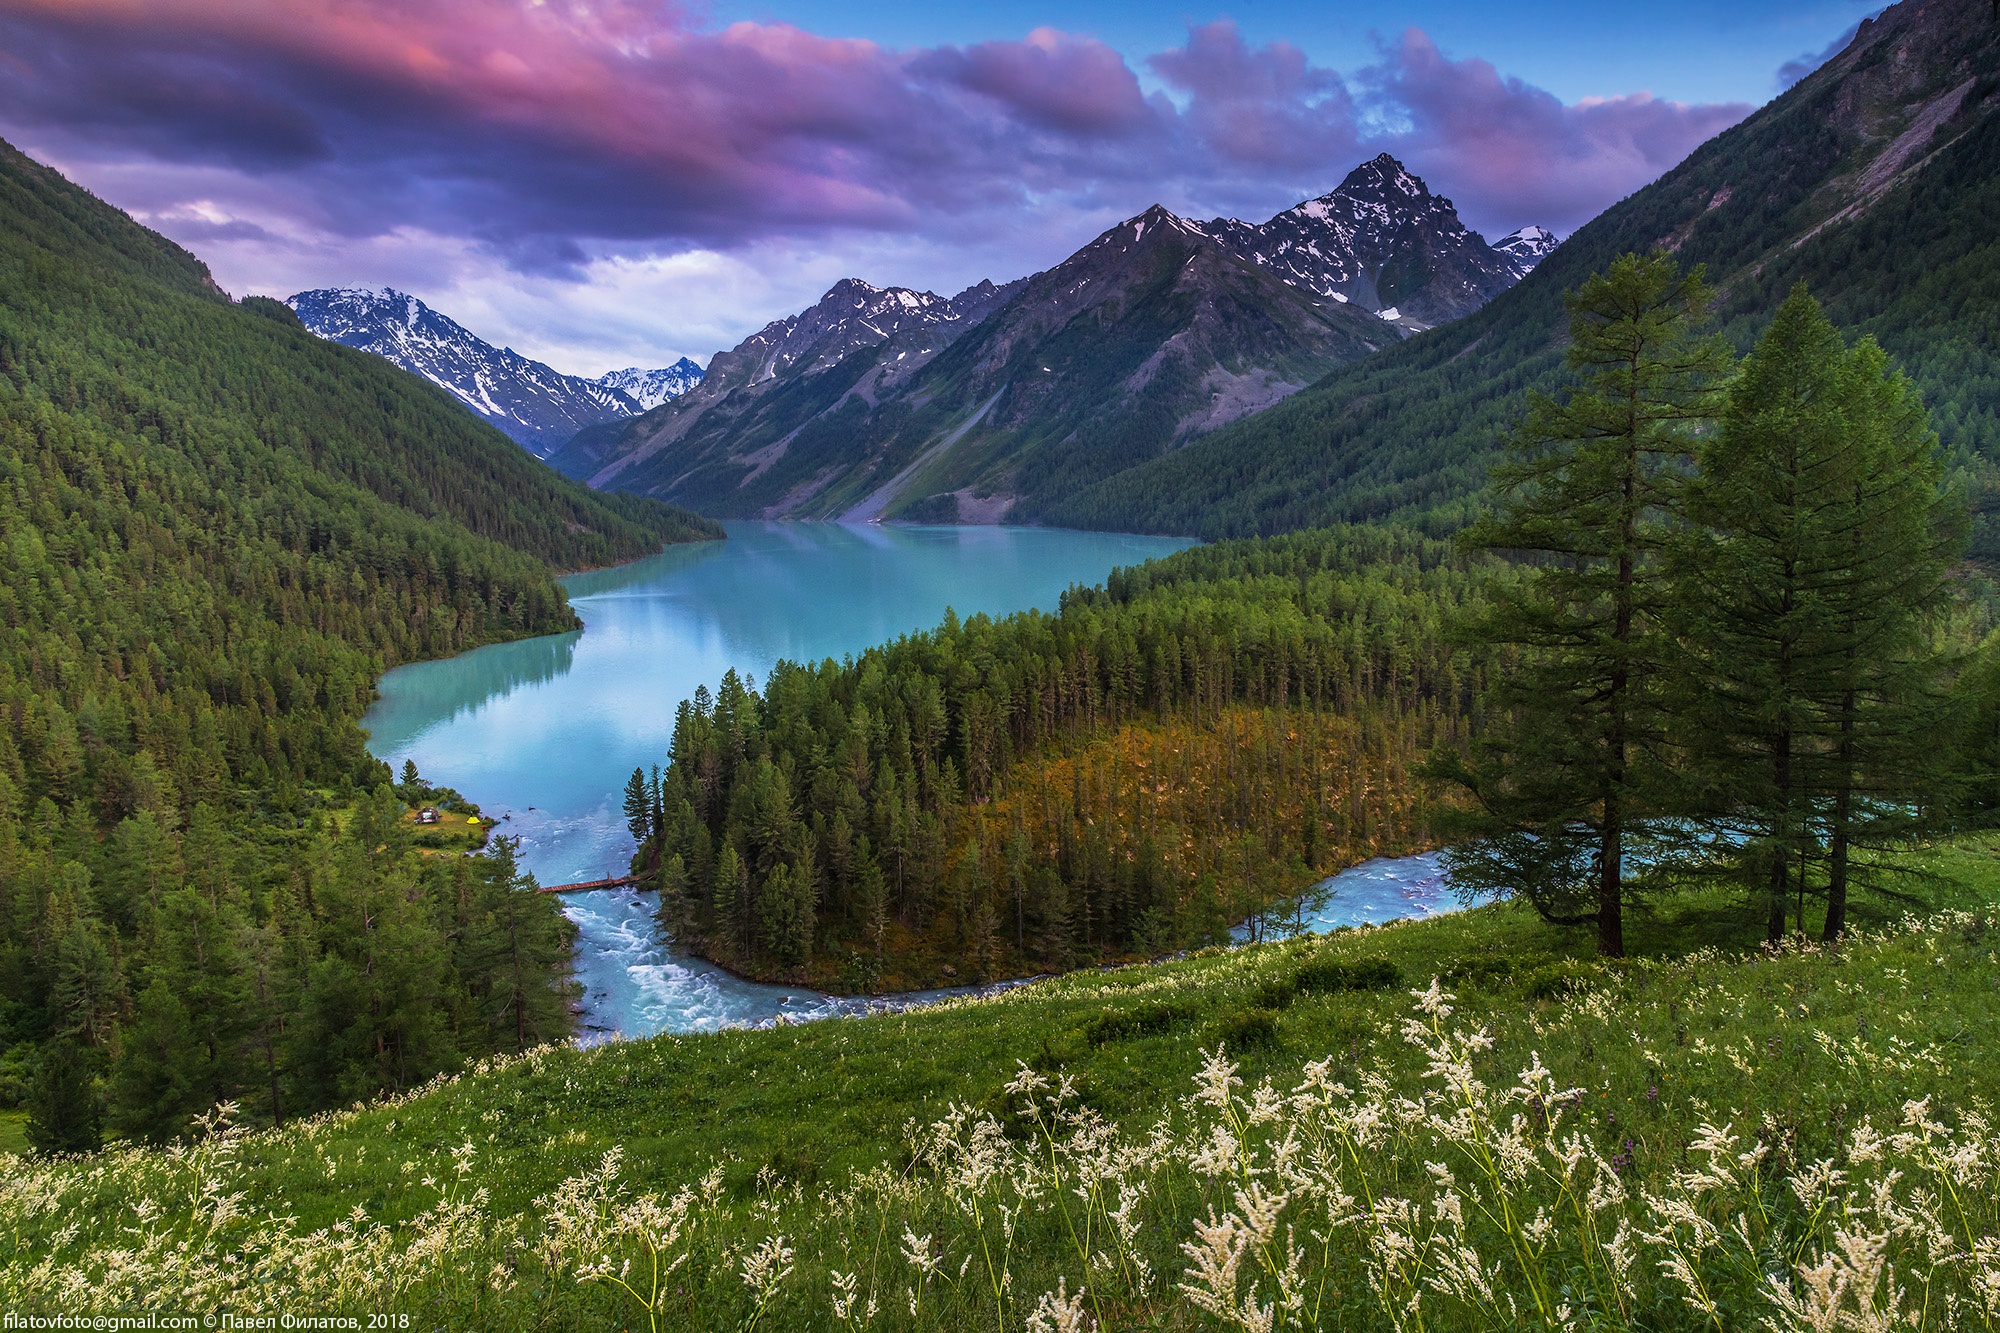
x,y
543,733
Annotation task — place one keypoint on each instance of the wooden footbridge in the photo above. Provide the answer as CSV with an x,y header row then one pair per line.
x,y
615,882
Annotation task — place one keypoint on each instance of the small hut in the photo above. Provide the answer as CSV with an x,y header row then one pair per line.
x,y
427,815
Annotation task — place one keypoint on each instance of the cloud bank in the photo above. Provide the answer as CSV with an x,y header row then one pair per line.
x,y
556,136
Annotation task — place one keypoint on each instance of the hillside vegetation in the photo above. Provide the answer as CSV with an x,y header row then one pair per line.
x,y
218,532
1138,771
1875,181
1305,1133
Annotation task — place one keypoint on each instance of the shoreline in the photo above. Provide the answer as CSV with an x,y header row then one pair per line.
x,y
825,1004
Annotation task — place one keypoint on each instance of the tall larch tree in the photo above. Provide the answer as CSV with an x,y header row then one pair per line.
x,y
1819,552
1592,493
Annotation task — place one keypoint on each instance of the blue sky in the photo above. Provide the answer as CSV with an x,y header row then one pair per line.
x,y
1698,51
602,183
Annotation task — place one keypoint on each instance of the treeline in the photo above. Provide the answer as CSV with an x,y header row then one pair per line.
x,y
218,531
898,810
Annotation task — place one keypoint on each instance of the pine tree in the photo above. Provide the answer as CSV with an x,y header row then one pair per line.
x,y
1593,488
63,1108
638,806
871,897
675,912
729,893
1822,547
519,954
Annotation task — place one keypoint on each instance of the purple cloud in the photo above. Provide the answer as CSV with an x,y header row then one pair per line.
x,y
1506,149
551,132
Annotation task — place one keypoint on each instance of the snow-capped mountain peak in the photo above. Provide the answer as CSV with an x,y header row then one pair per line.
x,y
1527,247
1380,240
530,402
650,388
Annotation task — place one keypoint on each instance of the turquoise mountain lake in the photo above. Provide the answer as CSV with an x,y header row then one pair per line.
x,y
543,733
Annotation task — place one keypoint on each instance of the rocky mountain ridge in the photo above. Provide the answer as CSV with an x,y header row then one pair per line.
x,y
887,402
1380,240
650,388
1874,180
531,403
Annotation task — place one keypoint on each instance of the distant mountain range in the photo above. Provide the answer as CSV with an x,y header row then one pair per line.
x,y
530,402
892,403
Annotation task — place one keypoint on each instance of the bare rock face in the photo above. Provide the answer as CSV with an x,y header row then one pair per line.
x,y
1382,241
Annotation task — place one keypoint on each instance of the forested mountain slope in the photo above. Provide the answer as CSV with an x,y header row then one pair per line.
x,y
1876,180
218,530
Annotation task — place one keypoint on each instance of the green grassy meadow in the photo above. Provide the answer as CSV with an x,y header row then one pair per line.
x,y
854,1146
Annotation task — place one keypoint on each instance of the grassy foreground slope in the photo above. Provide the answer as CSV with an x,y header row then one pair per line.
x,y
1875,180
1699,1138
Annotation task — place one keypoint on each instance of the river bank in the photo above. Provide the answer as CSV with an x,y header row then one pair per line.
x,y
677,992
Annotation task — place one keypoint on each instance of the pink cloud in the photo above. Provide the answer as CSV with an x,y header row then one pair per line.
x,y
550,129
1075,85
1265,106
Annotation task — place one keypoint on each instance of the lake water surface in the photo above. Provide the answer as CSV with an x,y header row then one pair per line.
x,y
543,733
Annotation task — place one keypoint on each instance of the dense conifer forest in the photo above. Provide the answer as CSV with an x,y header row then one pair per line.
x,y
1139,770
218,531
1715,638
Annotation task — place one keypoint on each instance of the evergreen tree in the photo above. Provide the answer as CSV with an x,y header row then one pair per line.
x,y
1822,547
675,912
638,806
871,898
776,930
63,1109
155,1089
730,890
520,954
1592,491
196,951
85,989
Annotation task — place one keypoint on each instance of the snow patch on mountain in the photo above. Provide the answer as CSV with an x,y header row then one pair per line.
x,y
1381,240
1527,247
532,403
650,388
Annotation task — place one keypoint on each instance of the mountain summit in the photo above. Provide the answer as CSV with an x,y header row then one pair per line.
x,y
891,403
1383,241
535,405
650,388
1875,181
